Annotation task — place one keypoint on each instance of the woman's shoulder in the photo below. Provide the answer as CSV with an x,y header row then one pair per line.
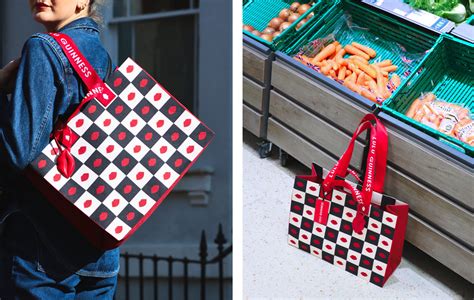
x,y
43,46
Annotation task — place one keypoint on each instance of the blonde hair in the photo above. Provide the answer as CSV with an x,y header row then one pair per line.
x,y
95,7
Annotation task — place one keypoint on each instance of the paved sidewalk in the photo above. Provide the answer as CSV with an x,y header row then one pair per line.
x,y
273,269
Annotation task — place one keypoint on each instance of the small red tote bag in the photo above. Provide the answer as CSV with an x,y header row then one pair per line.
x,y
352,226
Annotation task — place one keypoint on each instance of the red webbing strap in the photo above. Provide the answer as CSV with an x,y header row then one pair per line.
x,y
341,167
96,87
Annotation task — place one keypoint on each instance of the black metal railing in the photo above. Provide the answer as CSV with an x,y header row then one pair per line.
x,y
202,262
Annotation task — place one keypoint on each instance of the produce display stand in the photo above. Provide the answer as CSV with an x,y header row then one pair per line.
x,y
465,30
311,118
257,63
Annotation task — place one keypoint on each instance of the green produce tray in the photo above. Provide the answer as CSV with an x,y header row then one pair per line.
x,y
470,20
447,72
383,26
258,13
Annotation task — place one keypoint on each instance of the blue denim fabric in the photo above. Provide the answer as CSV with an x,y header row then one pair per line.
x,y
24,263
47,88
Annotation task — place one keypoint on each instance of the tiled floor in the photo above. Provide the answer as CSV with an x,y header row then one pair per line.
x,y
273,269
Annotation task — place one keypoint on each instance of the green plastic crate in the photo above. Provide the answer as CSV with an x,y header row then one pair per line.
x,y
470,20
448,72
385,27
258,13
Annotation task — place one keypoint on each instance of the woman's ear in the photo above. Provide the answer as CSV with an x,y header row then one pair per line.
x,y
81,5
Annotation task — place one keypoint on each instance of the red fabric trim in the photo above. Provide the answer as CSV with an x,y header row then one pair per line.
x,y
395,256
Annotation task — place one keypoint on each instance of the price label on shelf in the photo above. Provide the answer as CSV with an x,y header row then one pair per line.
x,y
420,17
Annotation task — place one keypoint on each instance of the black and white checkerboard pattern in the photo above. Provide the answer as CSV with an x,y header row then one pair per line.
x,y
365,255
127,155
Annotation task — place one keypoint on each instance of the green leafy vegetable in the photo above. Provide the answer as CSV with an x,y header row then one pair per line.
x,y
453,10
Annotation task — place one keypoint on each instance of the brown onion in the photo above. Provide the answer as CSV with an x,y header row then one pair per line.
x,y
300,24
248,28
256,32
276,33
310,16
269,30
284,14
284,26
275,23
303,8
267,37
293,17
294,6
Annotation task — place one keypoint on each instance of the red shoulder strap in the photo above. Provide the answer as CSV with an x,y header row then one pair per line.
x,y
96,87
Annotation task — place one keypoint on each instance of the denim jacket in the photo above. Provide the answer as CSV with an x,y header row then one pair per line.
x,y
47,88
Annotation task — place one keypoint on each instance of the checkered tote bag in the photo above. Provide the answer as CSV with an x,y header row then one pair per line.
x,y
119,154
352,226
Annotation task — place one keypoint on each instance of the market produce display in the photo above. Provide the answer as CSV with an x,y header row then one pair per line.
x,y
356,67
454,10
284,19
448,118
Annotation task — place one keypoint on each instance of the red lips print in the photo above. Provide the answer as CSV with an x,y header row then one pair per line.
x,y
143,82
175,136
130,216
92,109
42,163
85,176
82,150
117,82
148,136
202,135
87,203
155,189
172,110
109,148
119,109
103,216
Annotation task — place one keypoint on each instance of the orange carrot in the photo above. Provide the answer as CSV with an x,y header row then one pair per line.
x,y
391,68
352,78
371,52
339,56
384,63
353,68
369,95
325,53
348,72
380,81
361,78
366,68
332,73
395,80
356,88
353,50
342,73
361,59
